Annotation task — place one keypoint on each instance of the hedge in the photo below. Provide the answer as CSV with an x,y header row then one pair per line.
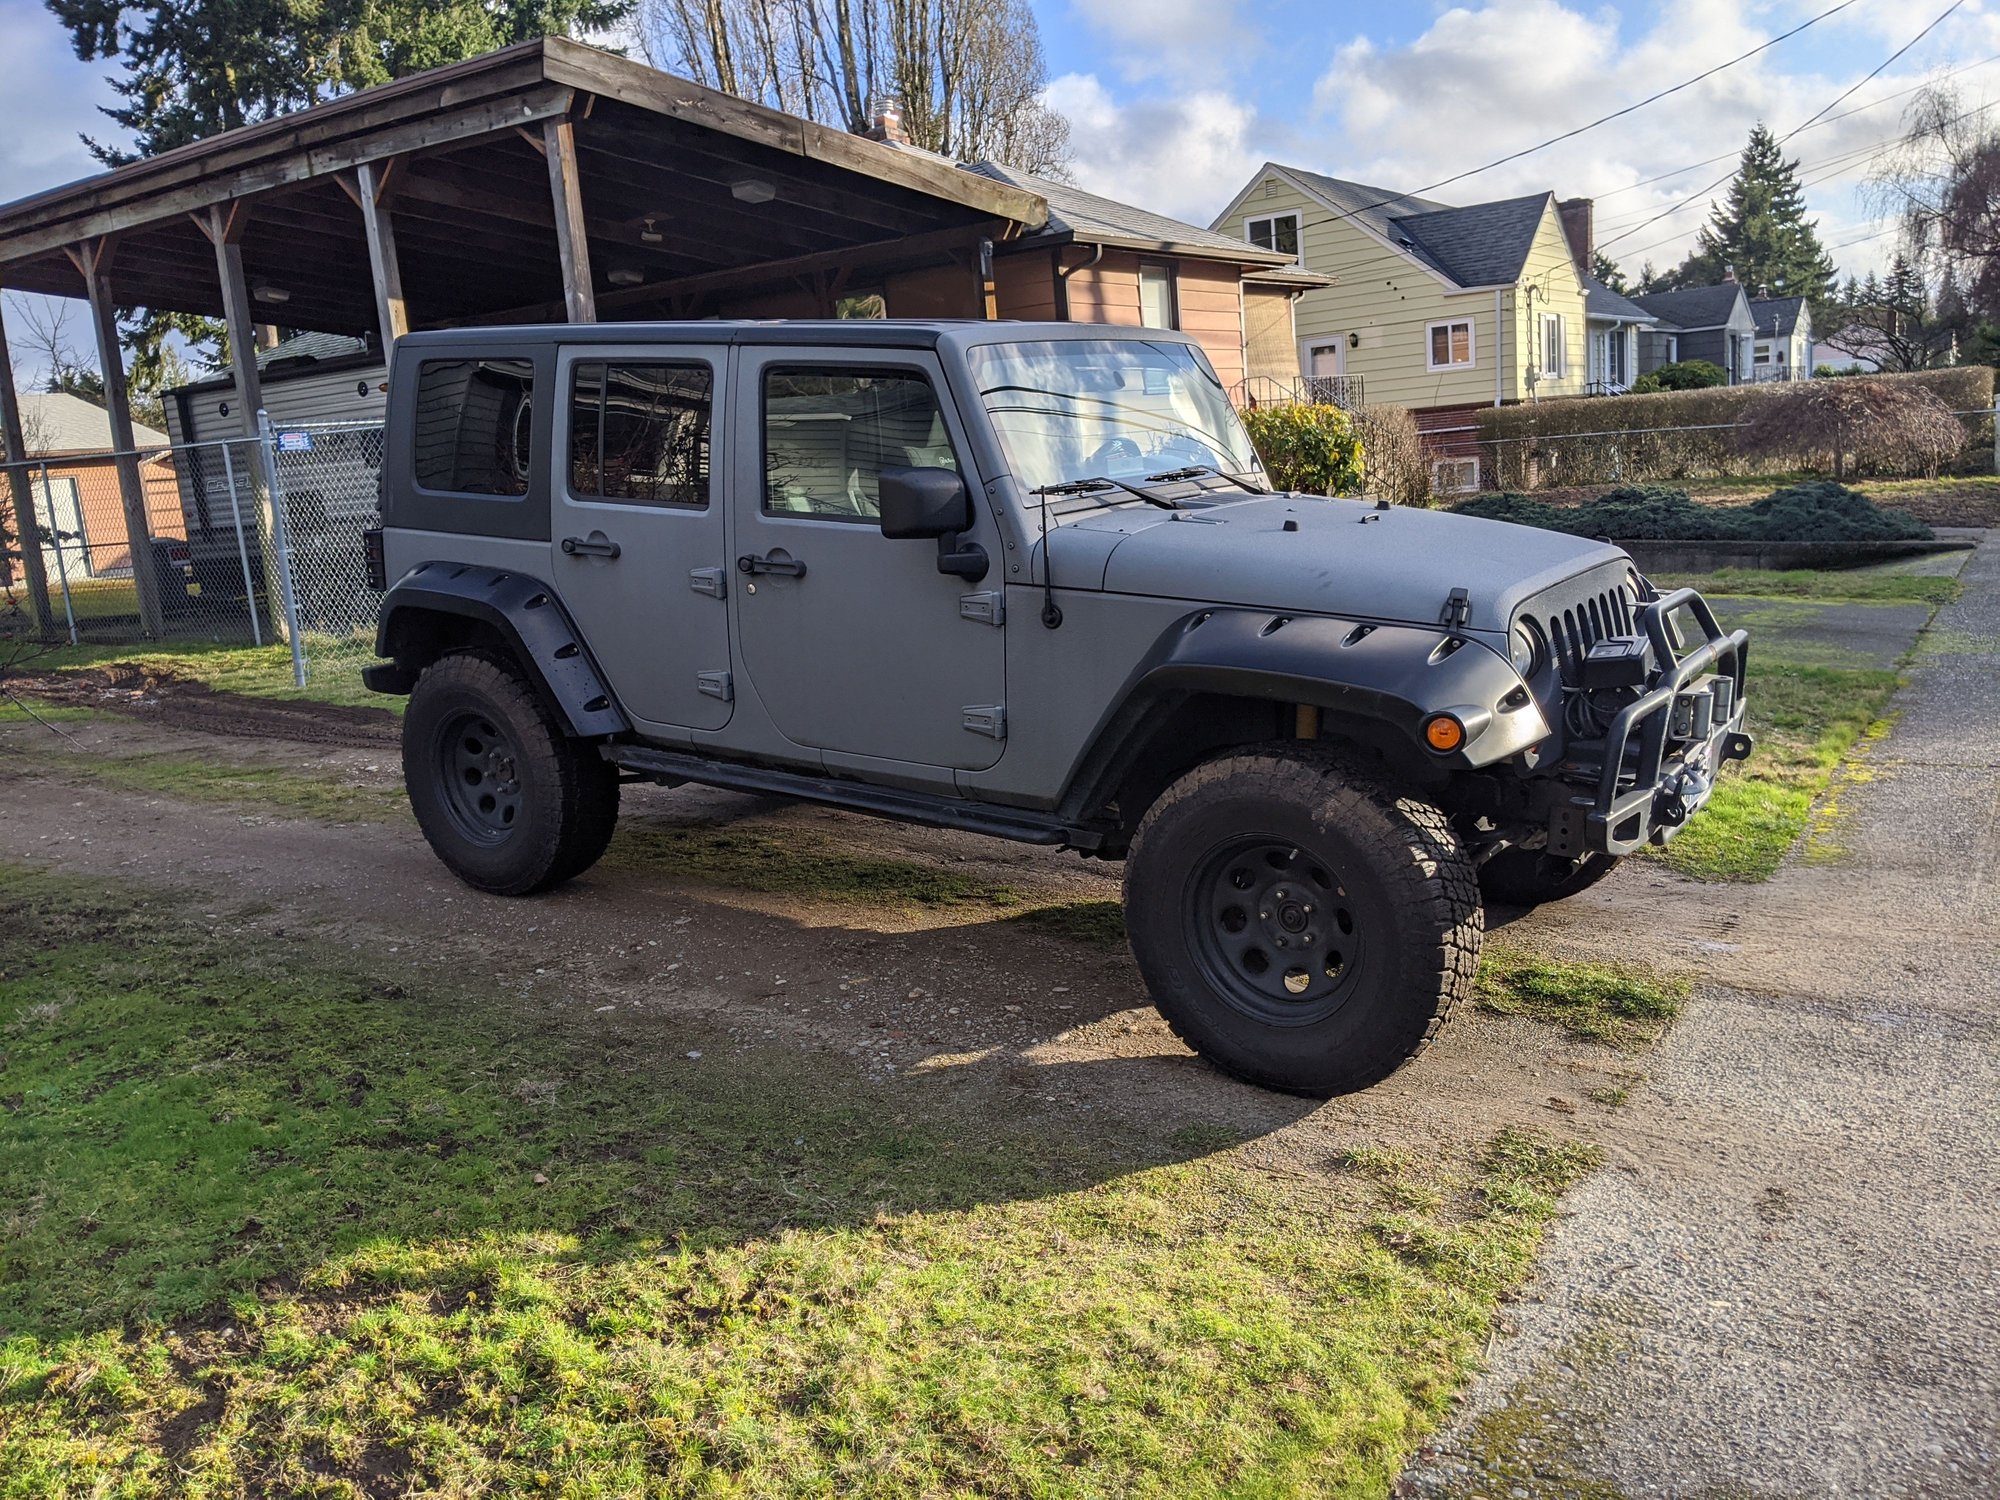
x,y
1617,439
1817,511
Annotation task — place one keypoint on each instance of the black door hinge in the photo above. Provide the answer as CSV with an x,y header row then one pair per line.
x,y
1457,610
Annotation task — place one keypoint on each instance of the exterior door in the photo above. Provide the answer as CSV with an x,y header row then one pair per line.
x,y
855,643
639,555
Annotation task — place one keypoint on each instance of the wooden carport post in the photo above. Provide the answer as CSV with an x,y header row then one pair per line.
x,y
93,259
572,242
27,525
369,191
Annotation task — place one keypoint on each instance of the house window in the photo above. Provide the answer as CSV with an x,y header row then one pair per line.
x,y
1614,356
1156,295
1450,344
1555,347
1454,476
1278,232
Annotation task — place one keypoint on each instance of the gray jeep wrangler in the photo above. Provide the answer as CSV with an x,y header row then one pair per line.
x,y
1027,580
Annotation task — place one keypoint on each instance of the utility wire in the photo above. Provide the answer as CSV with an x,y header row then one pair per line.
x,y
1817,115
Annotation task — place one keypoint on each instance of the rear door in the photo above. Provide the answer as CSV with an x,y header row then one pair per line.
x,y
638,549
855,643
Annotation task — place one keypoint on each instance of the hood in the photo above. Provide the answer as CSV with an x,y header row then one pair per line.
x,y
1345,558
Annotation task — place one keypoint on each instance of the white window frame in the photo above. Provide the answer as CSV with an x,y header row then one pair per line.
x,y
1560,371
1471,359
1169,275
1298,231
1440,465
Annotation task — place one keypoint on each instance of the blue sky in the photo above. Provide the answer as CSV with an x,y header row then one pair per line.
x,y
1174,103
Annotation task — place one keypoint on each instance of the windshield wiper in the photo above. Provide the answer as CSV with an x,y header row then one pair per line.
x,y
1195,471
1105,482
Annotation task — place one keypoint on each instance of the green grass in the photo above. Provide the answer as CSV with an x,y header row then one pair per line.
x,y
1857,586
275,1225
1620,1007
257,671
228,784
1805,719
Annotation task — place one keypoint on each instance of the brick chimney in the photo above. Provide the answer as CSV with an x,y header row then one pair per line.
x,y
1579,228
887,122
1729,275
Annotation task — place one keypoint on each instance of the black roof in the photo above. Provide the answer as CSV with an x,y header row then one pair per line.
x,y
1777,317
1482,244
871,333
1693,306
1600,301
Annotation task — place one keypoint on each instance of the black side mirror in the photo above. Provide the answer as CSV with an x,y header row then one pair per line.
x,y
924,503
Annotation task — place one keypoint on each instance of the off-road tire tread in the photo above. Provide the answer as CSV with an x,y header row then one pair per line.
x,y
586,783
1396,826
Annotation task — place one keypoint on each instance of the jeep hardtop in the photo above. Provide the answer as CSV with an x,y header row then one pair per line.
x,y
1029,580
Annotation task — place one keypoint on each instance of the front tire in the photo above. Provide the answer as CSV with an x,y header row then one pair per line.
x,y
507,800
1298,924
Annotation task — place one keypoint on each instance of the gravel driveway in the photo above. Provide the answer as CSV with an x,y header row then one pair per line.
x,y
1789,1284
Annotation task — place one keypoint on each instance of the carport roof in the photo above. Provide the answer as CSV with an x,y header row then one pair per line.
x,y
662,164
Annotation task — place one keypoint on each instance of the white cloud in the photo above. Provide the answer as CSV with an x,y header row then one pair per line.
x,y
1184,155
1181,39
50,98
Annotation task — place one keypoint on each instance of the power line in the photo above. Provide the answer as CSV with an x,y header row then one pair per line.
x,y
1817,115
1602,119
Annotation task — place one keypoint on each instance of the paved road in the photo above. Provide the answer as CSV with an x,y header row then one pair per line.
x,y
1789,1282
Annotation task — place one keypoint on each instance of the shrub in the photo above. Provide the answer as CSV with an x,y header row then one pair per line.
x,y
1310,448
1397,467
1886,427
1688,375
1817,511
1672,434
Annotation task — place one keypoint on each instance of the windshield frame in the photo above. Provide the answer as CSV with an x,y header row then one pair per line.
x,y
1201,428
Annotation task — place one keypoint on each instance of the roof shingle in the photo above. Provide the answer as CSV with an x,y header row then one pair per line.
x,y
1693,306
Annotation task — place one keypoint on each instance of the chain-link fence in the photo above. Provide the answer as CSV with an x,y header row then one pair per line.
x,y
250,541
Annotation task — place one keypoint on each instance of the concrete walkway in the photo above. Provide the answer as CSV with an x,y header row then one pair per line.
x,y
1788,1283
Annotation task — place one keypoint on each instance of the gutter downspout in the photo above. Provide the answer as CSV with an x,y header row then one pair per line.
x,y
1063,274
1499,349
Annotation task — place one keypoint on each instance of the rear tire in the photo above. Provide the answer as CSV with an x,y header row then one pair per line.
x,y
1534,877
505,797
1298,924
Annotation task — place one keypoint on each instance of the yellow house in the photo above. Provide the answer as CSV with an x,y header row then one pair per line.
x,y
1435,308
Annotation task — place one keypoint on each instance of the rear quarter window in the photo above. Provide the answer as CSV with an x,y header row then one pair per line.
x,y
472,426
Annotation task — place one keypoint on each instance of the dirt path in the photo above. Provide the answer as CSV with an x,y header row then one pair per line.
x,y
1790,1283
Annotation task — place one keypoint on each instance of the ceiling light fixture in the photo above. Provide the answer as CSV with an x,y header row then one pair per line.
x,y
271,294
649,234
752,190
626,276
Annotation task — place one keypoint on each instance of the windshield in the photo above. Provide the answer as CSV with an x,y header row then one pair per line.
x,y
1071,409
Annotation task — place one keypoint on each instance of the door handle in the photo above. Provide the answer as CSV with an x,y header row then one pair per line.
x,y
594,545
777,562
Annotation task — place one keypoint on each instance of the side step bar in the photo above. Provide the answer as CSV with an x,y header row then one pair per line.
x,y
884,802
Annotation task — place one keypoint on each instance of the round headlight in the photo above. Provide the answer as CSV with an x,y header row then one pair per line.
x,y
1528,648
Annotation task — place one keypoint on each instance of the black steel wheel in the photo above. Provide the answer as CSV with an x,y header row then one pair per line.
x,y
504,796
1534,877
1276,933
1299,924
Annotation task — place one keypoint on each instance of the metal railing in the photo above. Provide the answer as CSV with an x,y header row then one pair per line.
x,y
1348,392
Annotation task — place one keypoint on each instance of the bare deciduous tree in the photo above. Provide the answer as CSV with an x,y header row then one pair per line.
x,y
967,75
1881,426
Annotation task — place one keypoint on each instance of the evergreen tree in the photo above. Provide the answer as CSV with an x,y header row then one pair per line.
x,y
1761,232
1605,269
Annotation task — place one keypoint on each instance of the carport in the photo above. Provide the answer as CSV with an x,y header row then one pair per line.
x,y
547,182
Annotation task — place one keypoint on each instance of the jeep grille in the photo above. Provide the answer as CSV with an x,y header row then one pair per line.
x,y
1574,628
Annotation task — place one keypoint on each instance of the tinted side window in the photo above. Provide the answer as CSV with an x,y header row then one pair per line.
x,y
640,432
828,434
472,425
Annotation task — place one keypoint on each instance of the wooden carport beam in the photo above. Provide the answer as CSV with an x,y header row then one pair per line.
x,y
27,525
572,239
92,260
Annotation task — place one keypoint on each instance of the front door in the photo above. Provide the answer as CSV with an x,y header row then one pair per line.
x,y
639,556
855,644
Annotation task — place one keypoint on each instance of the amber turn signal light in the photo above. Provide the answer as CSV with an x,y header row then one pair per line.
x,y
1443,733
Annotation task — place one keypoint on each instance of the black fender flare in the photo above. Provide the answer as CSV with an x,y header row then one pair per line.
x,y
524,611
1394,675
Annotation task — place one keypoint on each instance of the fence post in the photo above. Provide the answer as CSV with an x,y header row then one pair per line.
x,y
242,548
1996,432
267,445
62,573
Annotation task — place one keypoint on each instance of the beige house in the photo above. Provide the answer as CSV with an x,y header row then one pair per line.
x,y
1435,308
